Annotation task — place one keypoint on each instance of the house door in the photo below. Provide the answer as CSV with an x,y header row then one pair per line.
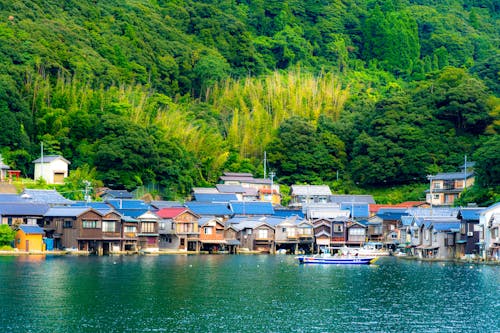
x,y
27,245
58,177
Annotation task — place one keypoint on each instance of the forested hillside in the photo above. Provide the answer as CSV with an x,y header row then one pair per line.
x,y
135,92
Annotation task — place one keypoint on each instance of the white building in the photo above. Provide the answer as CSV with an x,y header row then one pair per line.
x,y
53,169
489,225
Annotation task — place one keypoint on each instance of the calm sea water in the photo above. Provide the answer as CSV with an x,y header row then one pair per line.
x,y
244,294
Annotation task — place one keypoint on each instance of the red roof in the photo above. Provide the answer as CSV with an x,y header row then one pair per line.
x,y
267,191
169,213
374,208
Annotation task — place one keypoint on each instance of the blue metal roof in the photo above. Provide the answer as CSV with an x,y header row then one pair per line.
x,y
93,204
134,213
289,212
274,221
23,209
31,229
128,204
212,209
8,197
215,197
358,210
384,210
252,208
446,226
471,214
393,216
406,220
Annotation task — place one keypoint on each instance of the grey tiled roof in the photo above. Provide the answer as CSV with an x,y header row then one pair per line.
x,y
451,175
311,190
352,198
51,197
50,158
66,211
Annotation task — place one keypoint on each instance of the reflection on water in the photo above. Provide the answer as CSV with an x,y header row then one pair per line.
x,y
244,294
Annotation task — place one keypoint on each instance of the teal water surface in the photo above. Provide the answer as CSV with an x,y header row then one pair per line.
x,y
224,293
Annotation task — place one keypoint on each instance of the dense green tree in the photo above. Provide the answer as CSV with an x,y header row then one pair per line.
x,y
487,159
301,153
461,99
6,234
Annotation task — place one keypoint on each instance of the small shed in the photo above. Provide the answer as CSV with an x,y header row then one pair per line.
x,y
29,238
52,168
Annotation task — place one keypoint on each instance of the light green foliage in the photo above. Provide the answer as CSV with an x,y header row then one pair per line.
x,y
175,92
6,234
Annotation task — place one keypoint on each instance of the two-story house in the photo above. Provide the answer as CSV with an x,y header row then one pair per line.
x,y
179,229
304,195
256,235
292,235
212,235
84,229
445,188
147,233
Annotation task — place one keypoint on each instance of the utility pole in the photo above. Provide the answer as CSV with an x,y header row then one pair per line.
x,y
271,175
87,190
41,161
465,172
430,190
265,164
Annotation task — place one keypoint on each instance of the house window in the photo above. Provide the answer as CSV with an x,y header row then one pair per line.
x,y
91,224
182,241
356,231
161,225
130,229
148,227
249,231
108,226
426,235
338,228
283,229
462,228
494,233
207,230
435,196
68,224
263,233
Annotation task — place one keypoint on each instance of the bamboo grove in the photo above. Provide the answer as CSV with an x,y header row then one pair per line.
x,y
357,94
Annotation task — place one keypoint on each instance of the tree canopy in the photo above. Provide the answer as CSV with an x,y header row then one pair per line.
x,y
176,92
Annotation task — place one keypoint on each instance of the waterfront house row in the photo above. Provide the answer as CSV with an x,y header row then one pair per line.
x,y
132,225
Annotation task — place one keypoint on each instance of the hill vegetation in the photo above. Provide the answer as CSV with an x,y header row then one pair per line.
x,y
354,93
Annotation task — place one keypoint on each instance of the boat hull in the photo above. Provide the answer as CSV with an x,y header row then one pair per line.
x,y
337,260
